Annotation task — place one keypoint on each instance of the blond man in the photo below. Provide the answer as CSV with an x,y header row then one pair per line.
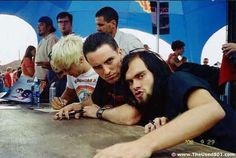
x,y
67,58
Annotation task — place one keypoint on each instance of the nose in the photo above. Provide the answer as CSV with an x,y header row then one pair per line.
x,y
136,84
106,70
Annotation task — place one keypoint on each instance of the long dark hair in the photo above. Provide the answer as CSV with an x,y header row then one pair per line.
x,y
160,71
28,51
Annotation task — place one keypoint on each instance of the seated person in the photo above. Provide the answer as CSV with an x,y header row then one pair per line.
x,y
156,92
67,58
107,101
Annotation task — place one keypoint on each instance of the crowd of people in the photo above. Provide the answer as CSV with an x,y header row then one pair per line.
x,y
9,78
113,76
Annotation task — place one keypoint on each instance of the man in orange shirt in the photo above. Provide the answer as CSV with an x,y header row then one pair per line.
x,y
7,78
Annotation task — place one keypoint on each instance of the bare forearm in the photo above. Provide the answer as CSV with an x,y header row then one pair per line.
x,y
187,126
124,114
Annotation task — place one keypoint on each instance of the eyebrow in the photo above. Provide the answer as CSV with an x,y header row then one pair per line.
x,y
108,59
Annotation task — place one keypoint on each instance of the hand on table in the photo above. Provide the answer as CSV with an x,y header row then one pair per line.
x,y
64,112
91,111
155,124
58,103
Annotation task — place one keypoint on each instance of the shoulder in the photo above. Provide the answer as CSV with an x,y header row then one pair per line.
x,y
26,59
184,83
101,83
126,36
184,77
52,37
180,86
131,36
91,72
70,78
171,55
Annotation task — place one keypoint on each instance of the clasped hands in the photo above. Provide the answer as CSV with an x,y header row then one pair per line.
x,y
87,111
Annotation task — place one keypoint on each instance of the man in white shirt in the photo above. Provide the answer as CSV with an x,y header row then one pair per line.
x,y
67,57
46,31
107,21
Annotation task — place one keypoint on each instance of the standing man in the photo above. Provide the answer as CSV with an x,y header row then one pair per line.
x,y
173,61
46,31
107,101
64,22
107,21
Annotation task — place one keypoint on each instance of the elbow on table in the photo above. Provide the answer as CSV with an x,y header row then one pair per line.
x,y
134,118
219,113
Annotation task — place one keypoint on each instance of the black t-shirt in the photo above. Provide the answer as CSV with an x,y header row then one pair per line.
x,y
108,94
206,72
178,87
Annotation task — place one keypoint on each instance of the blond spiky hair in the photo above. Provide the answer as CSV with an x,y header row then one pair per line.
x,y
66,51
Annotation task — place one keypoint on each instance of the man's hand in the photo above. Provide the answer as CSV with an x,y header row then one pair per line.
x,y
64,112
42,85
58,103
228,48
155,124
44,64
133,149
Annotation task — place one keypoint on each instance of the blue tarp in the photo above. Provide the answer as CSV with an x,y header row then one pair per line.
x,y
191,21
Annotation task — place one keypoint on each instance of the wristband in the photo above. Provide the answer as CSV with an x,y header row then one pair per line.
x,y
99,112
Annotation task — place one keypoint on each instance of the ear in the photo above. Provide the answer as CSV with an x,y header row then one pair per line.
x,y
121,53
113,22
81,59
